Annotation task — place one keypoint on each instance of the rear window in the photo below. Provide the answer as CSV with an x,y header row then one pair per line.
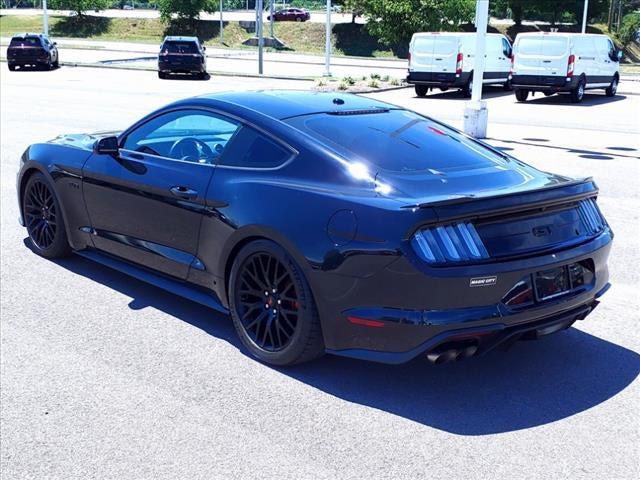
x,y
25,42
180,47
399,141
544,46
437,44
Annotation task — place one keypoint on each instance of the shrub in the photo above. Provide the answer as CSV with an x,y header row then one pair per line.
x,y
373,83
343,86
629,28
349,80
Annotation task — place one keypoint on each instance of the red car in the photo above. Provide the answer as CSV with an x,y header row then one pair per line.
x,y
291,15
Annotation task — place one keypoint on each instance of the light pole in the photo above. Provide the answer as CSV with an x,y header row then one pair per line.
x,y
221,25
584,16
475,112
45,18
327,45
259,7
272,12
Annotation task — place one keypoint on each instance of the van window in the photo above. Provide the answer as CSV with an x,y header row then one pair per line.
x,y
554,46
444,45
423,45
529,46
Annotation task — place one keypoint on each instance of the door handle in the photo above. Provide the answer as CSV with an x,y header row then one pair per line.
x,y
183,192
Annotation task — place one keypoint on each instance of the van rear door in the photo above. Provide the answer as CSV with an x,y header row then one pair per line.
x,y
527,52
554,57
435,54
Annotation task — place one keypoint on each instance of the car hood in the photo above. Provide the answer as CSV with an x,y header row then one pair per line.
x,y
427,187
84,141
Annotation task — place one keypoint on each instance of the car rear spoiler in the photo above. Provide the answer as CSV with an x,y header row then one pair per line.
x,y
470,206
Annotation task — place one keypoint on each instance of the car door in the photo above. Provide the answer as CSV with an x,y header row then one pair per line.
x,y
608,66
146,203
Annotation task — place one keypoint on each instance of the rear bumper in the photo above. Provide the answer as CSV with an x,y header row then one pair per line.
x,y
544,83
409,313
441,80
185,67
27,60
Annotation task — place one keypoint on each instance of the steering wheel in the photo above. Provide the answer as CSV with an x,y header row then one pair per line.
x,y
191,149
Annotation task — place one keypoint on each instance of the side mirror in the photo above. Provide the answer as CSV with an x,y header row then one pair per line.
x,y
619,55
204,49
107,146
55,43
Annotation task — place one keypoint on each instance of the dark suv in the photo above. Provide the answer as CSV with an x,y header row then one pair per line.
x,y
32,49
182,55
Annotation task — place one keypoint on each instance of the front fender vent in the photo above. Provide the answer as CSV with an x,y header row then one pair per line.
x,y
456,242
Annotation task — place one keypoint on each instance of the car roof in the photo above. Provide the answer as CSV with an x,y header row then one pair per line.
x,y
281,104
453,34
561,34
27,34
180,39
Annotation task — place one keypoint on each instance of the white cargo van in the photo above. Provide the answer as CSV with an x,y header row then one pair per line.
x,y
564,62
445,60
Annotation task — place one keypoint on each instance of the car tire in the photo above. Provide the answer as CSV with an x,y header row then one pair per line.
x,y
272,306
577,94
612,89
444,89
162,75
43,218
521,94
298,19
548,94
56,64
12,68
421,90
467,90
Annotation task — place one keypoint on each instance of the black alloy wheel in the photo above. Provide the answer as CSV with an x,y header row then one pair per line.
x,y
43,218
272,306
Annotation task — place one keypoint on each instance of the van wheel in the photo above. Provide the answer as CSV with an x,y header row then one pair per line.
x,y
577,94
421,90
467,90
521,95
613,88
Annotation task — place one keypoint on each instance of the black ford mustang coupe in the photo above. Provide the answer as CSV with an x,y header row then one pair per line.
x,y
326,222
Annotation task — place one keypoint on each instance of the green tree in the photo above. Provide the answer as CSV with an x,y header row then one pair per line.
x,y
630,28
79,6
393,22
185,10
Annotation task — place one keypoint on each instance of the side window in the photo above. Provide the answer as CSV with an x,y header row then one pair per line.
x,y
506,48
251,149
189,135
611,49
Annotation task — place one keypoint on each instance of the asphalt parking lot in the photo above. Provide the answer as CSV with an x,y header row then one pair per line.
x,y
102,376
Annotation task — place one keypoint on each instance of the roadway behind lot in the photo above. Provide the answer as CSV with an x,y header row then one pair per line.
x,y
103,376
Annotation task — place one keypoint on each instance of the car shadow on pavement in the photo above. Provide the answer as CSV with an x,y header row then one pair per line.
x,y
589,100
532,384
455,94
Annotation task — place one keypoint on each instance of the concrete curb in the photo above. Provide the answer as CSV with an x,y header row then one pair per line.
x,y
150,69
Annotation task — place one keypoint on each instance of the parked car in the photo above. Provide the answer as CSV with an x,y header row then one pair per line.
x,y
182,55
291,15
445,60
564,63
33,50
325,222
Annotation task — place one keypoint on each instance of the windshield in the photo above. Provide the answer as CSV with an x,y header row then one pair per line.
x,y
180,47
25,42
399,141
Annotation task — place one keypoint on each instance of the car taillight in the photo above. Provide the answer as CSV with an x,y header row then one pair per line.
x,y
570,65
459,60
456,242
